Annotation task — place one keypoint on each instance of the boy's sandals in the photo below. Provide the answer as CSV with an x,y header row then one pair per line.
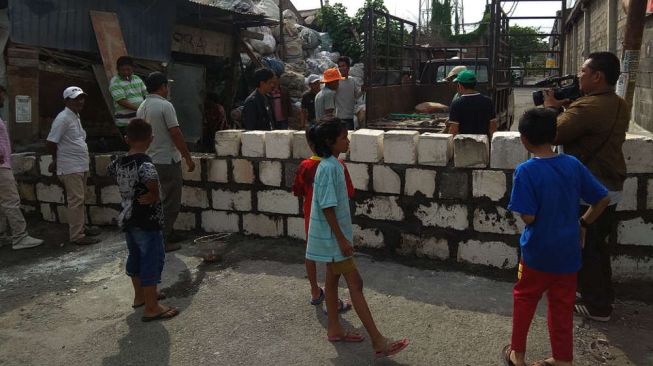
x,y
391,349
318,301
160,296
343,306
167,314
349,336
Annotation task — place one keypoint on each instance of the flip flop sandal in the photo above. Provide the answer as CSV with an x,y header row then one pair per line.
x,y
343,306
318,301
169,313
392,348
161,296
505,356
349,336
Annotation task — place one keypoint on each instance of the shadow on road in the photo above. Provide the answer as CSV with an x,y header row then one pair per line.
x,y
145,344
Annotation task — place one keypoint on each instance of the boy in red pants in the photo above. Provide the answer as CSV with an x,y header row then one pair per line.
x,y
545,192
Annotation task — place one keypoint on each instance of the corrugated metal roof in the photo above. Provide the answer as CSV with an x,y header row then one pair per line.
x,y
234,6
66,24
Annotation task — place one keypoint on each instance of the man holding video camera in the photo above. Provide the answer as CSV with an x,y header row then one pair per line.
x,y
593,128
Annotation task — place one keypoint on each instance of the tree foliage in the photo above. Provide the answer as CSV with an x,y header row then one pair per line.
x,y
342,29
522,47
441,18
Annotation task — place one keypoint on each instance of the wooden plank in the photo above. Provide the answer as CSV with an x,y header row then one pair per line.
x,y
24,82
201,42
23,62
109,39
103,82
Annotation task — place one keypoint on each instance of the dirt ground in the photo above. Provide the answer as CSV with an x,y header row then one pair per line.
x,y
67,305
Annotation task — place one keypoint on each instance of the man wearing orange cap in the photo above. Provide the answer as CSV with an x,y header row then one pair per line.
x,y
325,100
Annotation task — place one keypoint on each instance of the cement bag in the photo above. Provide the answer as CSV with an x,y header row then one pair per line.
x,y
357,70
319,65
431,107
333,56
293,83
310,38
298,67
293,48
266,46
269,7
288,15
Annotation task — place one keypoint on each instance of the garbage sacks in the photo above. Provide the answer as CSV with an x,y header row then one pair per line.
x,y
268,45
310,38
274,64
293,83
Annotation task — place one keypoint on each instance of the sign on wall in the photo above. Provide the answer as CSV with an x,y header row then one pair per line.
x,y
201,42
23,109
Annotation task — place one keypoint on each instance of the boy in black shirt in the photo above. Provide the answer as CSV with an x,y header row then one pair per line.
x,y
141,219
472,112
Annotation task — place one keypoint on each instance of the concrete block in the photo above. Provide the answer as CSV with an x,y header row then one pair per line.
x,y
23,163
263,225
381,208
400,147
269,173
442,215
420,180
218,171
367,238
454,184
470,151
278,144
628,195
49,193
195,175
296,228
489,183
194,197
220,222
48,213
110,194
366,146
434,149
185,221
44,163
635,232
27,209
507,150
290,169
637,150
27,191
232,201
90,196
62,214
243,171
278,201
253,144
386,180
497,220
103,215
360,176
433,248
649,195
629,268
102,163
227,142
300,148
492,253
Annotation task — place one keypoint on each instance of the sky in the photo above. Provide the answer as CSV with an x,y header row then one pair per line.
x,y
473,10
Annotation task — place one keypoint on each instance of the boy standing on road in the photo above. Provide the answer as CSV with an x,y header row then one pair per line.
x,y
546,191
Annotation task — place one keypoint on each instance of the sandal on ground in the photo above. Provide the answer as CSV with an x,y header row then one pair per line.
x,y
391,349
343,306
160,296
542,363
318,301
167,314
505,356
349,336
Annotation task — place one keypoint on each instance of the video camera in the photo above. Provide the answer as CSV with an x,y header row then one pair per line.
x,y
567,91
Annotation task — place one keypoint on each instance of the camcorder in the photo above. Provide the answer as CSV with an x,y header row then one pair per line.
x,y
567,91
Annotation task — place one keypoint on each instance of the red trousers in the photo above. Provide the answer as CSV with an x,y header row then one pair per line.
x,y
561,295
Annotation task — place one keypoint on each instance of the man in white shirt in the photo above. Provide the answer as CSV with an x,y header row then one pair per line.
x,y
347,94
70,160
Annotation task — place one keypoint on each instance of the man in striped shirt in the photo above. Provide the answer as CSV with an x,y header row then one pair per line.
x,y
128,92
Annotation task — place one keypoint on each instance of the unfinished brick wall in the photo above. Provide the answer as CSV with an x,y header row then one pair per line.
x,y
427,195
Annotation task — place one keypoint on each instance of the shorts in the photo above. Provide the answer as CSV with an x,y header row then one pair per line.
x,y
343,267
146,255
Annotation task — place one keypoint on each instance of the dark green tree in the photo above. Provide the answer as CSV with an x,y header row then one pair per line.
x,y
342,29
441,18
522,47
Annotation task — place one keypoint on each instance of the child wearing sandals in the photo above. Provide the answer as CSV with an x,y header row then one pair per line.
x,y
546,192
141,219
330,238
303,187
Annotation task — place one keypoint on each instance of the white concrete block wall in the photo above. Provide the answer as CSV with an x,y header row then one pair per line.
x,y
194,197
278,144
628,195
434,149
433,248
219,221
649,195
195,175
110,194
635,232
102,164
278,201
263,225
227,142
185,221
296,228
381,208
420,180
44,163
360,176
90,196
217,171
443,215
243,171
47,213
637,150
368,238
49,193
366,146
103,215
385,180
471,151
499,220
300,148
489,183
507,150
625,268
23,163
400,147
269,173
253,144
62,213
231,201
494,254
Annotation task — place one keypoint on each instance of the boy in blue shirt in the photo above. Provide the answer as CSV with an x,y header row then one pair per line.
x,y
546,191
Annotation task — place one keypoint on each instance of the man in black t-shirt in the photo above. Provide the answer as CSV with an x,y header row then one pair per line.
x,y
472,113
308,100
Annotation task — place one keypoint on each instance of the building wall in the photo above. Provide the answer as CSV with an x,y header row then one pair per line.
x,y
426,195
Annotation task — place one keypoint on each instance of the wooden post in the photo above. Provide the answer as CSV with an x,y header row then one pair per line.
x,y
636,14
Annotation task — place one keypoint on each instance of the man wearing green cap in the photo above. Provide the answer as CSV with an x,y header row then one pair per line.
x,y
472,113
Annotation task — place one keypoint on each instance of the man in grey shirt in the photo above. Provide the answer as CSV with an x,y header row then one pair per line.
x,y
166,151
347,94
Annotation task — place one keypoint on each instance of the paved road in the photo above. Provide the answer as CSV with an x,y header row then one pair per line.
x,y
523,101
64,305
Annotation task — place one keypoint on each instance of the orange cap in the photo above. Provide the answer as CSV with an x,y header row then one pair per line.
x,y
331,75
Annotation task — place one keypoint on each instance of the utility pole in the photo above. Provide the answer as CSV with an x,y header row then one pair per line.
x,y
635,18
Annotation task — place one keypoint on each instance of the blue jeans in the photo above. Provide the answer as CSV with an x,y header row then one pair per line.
x,y
146,255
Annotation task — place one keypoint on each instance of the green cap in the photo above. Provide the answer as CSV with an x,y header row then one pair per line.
x,y
465,77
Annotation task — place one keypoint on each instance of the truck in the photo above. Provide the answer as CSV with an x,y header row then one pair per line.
x,y
391,51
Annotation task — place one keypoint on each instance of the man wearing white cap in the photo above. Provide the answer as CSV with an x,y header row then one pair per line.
x,y
308,100
67,143
451,76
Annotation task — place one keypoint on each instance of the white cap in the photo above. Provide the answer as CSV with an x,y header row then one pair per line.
x,y
72,92
312,78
